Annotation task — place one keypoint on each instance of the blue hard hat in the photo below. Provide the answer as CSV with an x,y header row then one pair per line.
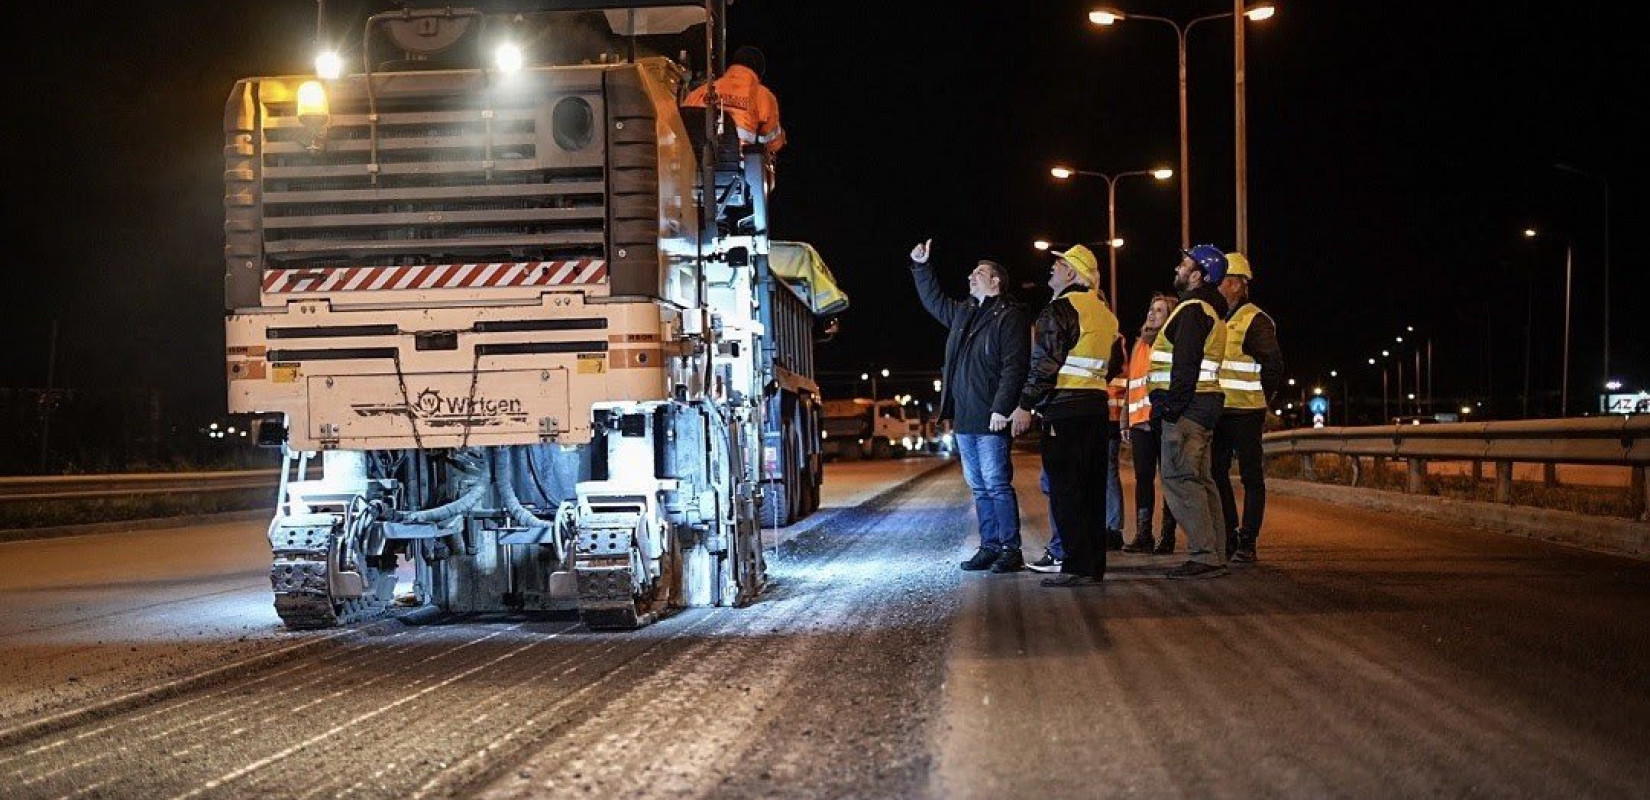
x,y
1210,259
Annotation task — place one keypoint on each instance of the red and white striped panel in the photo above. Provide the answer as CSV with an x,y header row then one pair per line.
x,y
434,276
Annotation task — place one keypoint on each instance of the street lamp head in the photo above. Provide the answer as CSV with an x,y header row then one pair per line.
x,y
864,376
1372,362
1410,328
1040,244
1291,381
1613,385
1386,354
1062,172
1400,340
1334,374
885,373
1529,233
1117,244
1317,390
1163,174
1466,410
1106,16
1262,11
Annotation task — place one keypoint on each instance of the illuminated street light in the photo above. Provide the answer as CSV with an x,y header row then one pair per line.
x,y
1569,261
1291,381
1063,172
885,373
1386,354
1613,385
864,376
213,426
1529,233
1334,374
1040,244
1318,390
1400,340
1372,362
1255,13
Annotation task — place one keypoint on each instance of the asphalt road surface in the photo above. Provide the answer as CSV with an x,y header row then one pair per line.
x,y
1367,655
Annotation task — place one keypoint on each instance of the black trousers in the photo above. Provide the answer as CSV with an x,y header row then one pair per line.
x,y
1147,444
1239,433
1074,456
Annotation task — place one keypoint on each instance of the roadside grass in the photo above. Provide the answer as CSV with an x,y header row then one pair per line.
x,y
1598,501
54,513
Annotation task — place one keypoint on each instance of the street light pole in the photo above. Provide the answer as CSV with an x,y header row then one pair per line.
x,y
1564,390
1601,179
1241,136
1107,16
1064,173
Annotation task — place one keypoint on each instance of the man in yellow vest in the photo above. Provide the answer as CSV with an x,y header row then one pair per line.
x,y
1186,398
1250,373
1075,354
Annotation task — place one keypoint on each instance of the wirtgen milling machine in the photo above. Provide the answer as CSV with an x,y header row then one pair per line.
x,y
511,312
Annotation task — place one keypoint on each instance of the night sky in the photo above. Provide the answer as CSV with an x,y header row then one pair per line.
x,y
1396,152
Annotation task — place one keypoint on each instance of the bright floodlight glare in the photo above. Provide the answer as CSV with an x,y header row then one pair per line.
x,y
328,65
1061,172
1106,16
1260,12
1040,244
508,57
1162,174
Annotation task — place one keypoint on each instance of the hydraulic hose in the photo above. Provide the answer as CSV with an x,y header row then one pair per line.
x,y
504,475
471,467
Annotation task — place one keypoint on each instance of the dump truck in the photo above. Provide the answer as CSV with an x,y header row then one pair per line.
x,y
511,313
864,428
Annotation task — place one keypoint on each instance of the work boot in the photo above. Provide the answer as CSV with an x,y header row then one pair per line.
x,y
1245,552
1165,536
983,559
1143,541
1114,539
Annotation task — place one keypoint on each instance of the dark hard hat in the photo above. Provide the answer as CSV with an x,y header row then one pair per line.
x,y
749,57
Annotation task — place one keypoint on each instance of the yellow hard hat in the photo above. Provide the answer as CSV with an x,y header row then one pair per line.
x,y
1237,264
1083,261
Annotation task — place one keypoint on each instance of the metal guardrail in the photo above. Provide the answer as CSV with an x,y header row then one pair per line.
x,y
66,487
1607,441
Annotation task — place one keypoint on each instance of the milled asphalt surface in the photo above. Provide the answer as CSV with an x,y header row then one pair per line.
x,y
1366,655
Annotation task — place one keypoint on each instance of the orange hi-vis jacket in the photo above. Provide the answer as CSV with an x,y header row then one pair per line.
x,y
1138,393
1117,390
754,109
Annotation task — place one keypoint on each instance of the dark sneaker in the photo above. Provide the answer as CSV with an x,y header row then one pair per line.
x,y
983,558
1232,540
1245,552
1114,540
1141,544
1165,546
1070,581
1048,563
1196,569
1009,561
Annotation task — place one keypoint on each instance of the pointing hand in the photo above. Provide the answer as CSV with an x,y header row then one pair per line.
x,y
919,254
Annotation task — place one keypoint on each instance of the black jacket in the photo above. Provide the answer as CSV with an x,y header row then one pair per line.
x,y
1261,344
1189,330
1053,335
985,354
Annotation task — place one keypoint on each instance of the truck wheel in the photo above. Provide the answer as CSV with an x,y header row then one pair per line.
x,y
882,449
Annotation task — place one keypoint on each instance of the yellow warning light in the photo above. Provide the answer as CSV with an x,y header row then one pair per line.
x,y
312,105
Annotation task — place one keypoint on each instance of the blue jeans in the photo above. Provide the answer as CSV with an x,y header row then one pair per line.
x,y
989,471
1055,548
1114,488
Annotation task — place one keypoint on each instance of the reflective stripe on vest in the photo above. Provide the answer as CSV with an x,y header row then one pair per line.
x,y
1240,374
1139,400
1085,366
1214,347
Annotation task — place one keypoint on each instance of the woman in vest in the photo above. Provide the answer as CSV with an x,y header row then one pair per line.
x,y
1145,435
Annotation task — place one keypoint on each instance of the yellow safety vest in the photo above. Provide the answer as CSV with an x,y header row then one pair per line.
x,y
1240,374
1214,347
1085,366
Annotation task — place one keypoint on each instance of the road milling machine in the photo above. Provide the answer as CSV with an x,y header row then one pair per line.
x,y
515,318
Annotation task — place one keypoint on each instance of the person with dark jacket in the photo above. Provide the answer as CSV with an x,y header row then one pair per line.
x,y
1250,373
1186,398
985,364
1075,355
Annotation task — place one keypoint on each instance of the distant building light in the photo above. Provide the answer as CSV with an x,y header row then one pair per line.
x,y
1613,385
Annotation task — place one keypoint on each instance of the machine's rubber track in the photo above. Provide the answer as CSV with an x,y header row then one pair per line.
x,y
300,577
607,597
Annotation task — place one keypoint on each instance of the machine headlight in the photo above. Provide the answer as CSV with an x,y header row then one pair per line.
x,y
508,58
329,65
